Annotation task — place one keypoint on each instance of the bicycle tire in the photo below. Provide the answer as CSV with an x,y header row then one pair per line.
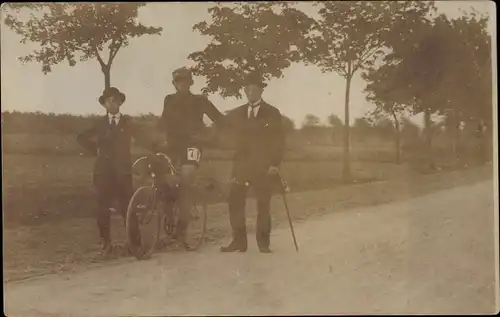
x,y
149,211
169,229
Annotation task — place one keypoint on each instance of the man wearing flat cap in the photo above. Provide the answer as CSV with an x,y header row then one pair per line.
x,y
110,141
260,145
182,121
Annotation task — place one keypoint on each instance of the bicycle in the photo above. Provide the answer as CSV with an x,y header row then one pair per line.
x,y
146,202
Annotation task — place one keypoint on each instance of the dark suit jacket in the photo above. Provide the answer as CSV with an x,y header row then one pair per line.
x,y
182,118
112,144
260,142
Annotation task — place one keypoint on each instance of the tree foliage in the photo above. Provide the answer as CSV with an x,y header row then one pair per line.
x,y
445,66
381,92
351,35
263,37
77,32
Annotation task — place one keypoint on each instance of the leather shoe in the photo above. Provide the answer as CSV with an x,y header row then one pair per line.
x,y
235,246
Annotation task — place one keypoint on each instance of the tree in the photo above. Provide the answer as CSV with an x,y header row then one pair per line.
x,y
362,125
335,121
67,32
262,37
471,69
385,127
350,36
387,99
395,112
420,73
419,69
337,126
311,121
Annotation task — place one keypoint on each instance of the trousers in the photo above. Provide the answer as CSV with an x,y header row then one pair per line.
x,y
237,202
114,187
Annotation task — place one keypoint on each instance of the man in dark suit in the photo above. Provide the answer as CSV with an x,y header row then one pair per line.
x,y
110,141
260,145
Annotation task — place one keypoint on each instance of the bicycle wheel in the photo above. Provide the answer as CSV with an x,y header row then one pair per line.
x,y
169,221
143,222
196,228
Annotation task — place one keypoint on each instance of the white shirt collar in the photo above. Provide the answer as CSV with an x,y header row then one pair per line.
x,y
255,104
254,107
116,116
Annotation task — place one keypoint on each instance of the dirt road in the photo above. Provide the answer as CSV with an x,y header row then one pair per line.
x,y
434,254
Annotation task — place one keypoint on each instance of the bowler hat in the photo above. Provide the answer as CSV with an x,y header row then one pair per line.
x,y
109,92
254,79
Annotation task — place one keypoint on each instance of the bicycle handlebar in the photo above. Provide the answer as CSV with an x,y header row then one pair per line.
x,y
148,157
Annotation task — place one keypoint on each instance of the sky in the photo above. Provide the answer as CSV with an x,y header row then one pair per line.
x,y
143,71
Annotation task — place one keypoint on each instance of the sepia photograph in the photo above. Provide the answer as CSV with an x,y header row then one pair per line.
x,y
249,158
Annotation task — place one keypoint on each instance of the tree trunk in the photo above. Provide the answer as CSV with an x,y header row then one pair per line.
x,y
346,171
428,139
484,142
398,138
455,136
107,76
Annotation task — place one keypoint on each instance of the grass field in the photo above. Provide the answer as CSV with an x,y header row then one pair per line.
x,y
66,145
48,188
49,200
46,179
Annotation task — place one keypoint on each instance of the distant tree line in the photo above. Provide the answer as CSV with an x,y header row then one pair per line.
x,y
368,131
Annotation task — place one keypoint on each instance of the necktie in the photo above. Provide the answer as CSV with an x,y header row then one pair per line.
x,y
252,112
113,120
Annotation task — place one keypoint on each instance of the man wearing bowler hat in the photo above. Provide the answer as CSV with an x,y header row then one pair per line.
x,y
260,145
110,141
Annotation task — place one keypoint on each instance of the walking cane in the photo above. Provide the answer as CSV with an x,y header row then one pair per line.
x,y
284,189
